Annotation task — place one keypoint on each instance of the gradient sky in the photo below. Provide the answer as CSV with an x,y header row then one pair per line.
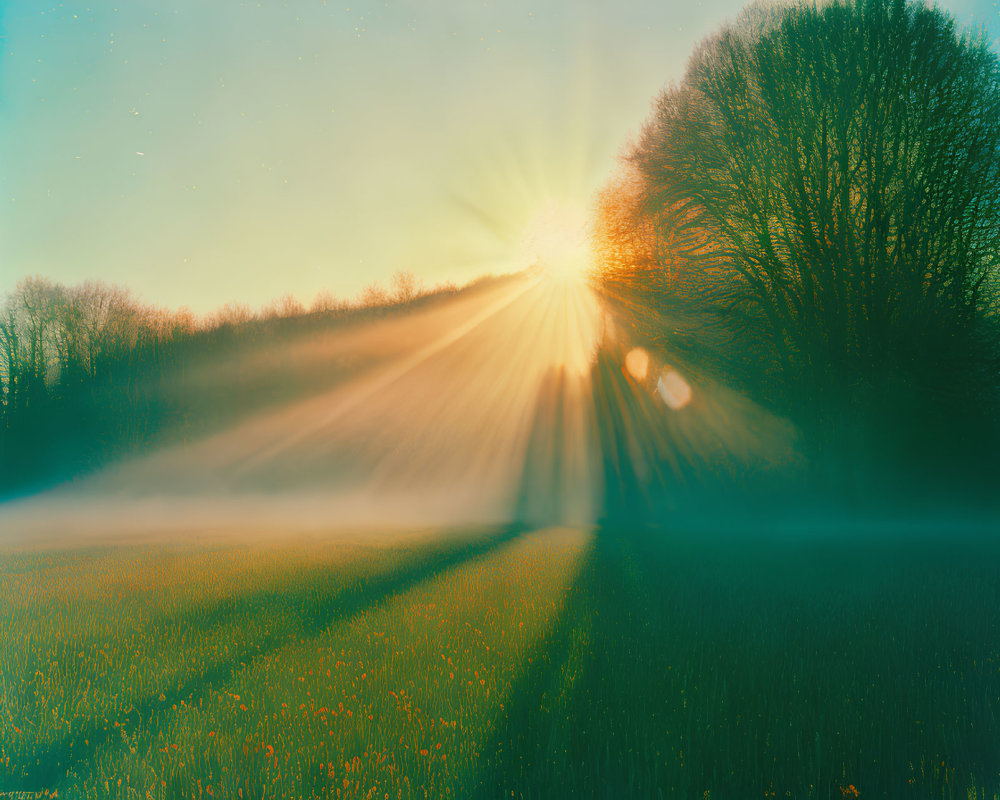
x,y
204,152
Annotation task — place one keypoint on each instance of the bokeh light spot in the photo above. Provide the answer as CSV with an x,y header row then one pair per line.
x,y
673,389
637,363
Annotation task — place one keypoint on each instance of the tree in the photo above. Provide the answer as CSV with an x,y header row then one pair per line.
x,y
626,239
233,315
285,307
374,295
831,173
326,303
405,287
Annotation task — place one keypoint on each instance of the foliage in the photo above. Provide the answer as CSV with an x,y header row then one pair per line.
x,y
827,176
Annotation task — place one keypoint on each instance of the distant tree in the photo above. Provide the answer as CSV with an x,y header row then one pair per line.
x,y
13,361
406,287
100,326
232,314
325,302
831,172
374,295
33,317
285,307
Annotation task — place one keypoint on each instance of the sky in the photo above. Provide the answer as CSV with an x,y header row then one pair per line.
x,y
203,152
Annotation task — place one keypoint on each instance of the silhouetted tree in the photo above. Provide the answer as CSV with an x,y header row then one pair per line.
x,y
829,175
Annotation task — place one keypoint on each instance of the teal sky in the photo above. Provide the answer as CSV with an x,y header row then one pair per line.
x,y
204,152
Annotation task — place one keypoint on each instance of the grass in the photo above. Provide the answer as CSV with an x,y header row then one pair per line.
x,y
504,663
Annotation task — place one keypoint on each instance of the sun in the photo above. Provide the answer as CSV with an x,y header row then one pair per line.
x,y
556,242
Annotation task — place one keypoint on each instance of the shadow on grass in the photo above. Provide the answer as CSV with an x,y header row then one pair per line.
x,y
714,662
696,667
48,766
569,729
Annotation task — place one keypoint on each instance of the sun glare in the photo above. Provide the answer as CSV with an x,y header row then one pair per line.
x,y
555,242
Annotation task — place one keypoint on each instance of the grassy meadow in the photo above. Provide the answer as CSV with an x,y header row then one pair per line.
x,y
502,662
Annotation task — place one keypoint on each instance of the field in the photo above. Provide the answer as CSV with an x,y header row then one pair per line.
x,y
502,662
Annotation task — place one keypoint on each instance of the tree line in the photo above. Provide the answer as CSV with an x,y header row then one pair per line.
x,y
89,372
823,185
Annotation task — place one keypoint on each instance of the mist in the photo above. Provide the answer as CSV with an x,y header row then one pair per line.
x,y
501,406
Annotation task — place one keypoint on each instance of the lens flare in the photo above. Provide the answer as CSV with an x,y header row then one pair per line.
x,y
673,389
637,363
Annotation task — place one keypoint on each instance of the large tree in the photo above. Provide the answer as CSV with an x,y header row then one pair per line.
x,y
830,174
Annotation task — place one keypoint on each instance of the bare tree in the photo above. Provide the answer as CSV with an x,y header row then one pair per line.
x,y
285,307
374,295
406,287
839,166
325,302
232,314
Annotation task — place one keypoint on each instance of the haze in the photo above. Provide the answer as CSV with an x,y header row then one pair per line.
x,y
210,153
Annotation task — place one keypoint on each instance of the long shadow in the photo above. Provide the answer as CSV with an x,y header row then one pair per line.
x,y
50,765
739,667
520,756
558,739
540,496
711,663
549,737
660,465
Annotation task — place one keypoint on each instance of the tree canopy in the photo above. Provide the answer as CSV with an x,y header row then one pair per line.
x,y
826,179
839,165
